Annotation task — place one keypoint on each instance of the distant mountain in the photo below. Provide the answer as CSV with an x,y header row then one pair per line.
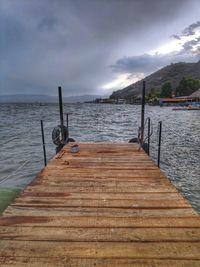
x,y
172,73
22,98
82,98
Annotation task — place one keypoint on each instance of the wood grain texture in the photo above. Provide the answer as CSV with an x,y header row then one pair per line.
x,y
100,262
93,234
107,205
131,250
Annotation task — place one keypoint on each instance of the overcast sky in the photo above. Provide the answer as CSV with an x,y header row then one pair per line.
x,y
92,46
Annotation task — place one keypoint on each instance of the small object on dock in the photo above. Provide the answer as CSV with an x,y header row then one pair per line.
x,y
133,140
74,148
71,139
59,155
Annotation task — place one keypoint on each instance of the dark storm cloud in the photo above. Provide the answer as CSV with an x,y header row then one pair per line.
x,y
188,31
191,29
136,63
73,42
145,63
190,45
47,24
148,64
176,36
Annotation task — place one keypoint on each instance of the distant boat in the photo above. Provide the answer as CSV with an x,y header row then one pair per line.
x,y
189,107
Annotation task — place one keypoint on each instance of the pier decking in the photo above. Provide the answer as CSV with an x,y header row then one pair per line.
x,y
107,205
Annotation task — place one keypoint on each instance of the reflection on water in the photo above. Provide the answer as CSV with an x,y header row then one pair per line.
x,y
92,122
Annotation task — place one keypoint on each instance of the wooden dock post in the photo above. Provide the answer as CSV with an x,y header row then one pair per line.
x,y
107,205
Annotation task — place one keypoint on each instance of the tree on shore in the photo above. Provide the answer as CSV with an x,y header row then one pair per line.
x,y
187,86
166,90
153,96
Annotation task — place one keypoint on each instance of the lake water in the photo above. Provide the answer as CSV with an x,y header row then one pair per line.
x,y
21,154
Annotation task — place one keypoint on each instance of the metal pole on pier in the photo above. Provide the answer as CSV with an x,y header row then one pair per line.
x,y
60,105
43,143
142,111
61,111
67,120
159,141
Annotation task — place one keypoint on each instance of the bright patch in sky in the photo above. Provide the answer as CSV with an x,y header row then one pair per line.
x,y
173,46
123,80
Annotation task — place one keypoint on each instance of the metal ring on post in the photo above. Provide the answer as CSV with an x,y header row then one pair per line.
x,y
60,135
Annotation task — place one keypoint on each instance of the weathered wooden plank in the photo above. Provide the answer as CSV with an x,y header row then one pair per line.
x,y
100,234
100,189
111,159
104,166
62,176
105,212
175,196
119,184
131,160
82,179
103,153
64,221
132,250
100,262
106,146
109,222
102,163
104,173
136,203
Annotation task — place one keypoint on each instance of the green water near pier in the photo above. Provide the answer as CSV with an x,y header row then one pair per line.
x,y
6,197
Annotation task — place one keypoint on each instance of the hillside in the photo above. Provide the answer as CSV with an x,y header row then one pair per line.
x,y
172,73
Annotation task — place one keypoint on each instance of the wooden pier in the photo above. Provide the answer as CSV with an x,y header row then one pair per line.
x,y
107,205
